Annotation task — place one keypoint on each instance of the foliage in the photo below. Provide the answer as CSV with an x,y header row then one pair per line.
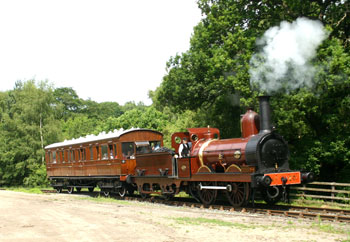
x,y
213,74
27,125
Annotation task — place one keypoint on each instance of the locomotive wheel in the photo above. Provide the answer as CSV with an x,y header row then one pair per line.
x,y
239,193
193,190
272,194
122,192
70,190
207,196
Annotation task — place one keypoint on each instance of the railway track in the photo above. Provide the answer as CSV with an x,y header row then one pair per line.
x,y
322,214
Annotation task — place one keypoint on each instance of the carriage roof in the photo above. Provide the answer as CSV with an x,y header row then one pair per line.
x,y
101,136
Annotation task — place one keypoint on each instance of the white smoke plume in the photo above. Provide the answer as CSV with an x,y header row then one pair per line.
x,y
284,64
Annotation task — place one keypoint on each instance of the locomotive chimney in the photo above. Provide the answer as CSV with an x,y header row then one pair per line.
x,y
265,114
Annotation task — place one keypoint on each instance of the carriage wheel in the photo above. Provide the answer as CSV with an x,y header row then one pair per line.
x,y
58,189
145,187
122,192
239,193
70,190
78,189
168,197
91,189
106,193
207,196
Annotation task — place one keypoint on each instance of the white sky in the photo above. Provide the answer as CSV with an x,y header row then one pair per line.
x,y
106,50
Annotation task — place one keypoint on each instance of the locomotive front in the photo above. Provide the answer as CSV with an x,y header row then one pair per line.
x,y
269,152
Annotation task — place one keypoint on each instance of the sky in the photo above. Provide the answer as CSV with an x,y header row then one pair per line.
x,y
106,50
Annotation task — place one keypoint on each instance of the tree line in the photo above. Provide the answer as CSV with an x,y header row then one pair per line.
x,y
206,85
36,114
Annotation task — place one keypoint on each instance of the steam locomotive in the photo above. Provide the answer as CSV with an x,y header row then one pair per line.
x,y
236,168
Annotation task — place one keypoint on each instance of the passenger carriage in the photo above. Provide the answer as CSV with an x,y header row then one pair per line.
x,y
102,160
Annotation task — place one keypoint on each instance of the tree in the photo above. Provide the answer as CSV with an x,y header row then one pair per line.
x,y
27,125
149,118
215,70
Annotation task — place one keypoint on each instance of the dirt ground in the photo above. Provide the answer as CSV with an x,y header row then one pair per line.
x,y
63,217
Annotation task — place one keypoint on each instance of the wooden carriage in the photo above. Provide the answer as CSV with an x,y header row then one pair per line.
x,y
104,160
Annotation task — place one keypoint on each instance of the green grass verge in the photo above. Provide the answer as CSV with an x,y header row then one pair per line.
x,y
217,222
34,190
101,199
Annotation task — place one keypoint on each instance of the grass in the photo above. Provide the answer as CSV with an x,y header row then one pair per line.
x,y
318,225
329,228
207,221
35,190
320,203
102,199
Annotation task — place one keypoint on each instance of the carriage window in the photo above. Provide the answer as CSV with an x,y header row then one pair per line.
x,y
72,156
49,157
128,149
77,153
104,152
83,154
115,150
97,152
155,145
58,156
111,152
142,147
53,156
63,156
91,153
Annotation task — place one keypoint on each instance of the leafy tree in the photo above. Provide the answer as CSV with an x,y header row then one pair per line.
x,y
100,111
27,125
78,126
149,118
207,77
70,101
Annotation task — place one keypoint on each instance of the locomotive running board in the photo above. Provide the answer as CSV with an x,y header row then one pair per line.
x,y
222,177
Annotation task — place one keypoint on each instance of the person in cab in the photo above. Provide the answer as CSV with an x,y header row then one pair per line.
x,y
184,149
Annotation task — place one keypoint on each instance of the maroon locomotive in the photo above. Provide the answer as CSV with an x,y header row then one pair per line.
x,y
235,167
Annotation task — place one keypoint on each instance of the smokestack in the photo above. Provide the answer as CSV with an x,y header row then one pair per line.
x,y
265,114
